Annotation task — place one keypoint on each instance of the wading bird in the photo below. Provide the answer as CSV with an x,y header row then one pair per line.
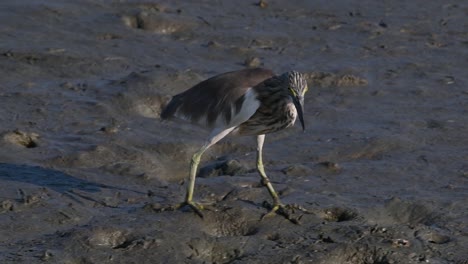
x,y
245,102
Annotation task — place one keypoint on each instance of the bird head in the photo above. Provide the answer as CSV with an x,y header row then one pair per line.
x,y
297,87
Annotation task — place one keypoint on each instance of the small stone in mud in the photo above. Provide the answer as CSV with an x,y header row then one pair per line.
x,y
383,24
409,212
29,199
433,236
431,123
252,62
330,165
438,238
68,85
7,205
262,4
47,255
296,170
223,167
150,207
212,44
109,129
350,80
337,214
326,79
8,54
399,242
233,167
154,22
107,237
326,239
108,36
449,80
28,140
32,199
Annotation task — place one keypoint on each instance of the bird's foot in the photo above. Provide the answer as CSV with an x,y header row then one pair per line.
x,y
285,210
196,207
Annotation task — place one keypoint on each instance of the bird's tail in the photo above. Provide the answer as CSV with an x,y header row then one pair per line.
x,y
171,108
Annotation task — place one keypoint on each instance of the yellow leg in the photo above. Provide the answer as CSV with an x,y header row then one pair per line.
x,y
277,207
193,173
216,135
261,171
191,184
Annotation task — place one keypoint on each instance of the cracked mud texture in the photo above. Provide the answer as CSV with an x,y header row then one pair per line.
x,y
85,159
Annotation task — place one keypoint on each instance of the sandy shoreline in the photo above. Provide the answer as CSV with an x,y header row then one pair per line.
x,y
85,159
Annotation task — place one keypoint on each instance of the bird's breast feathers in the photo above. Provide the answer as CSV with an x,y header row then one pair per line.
x,y
291,112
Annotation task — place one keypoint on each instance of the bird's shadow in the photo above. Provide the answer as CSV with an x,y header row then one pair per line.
x,y
52,179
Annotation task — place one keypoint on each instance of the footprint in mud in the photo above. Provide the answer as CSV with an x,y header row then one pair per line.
x,y
326,79
338,214
235,220
157,19
434,235
212,250
223,219
97,237
138,96
106,237
221,167
409,212
25,139
296,170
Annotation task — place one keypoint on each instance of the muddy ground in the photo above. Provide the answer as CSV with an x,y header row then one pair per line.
x,y
85,159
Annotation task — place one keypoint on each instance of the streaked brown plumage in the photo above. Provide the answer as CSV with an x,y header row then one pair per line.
x,y
276,111
245,102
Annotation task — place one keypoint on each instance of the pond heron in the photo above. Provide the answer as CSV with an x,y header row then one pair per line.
x,y
245,102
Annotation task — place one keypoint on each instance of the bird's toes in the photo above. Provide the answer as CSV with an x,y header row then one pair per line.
x,y
159,208
269,214
296,207
287,211
196,207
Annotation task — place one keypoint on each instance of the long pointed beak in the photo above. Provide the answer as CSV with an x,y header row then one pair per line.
x,y
299,104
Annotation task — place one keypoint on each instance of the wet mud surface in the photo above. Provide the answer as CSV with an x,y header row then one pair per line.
x,y
85,160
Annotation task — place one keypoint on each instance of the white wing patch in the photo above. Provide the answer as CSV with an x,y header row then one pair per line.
x,y
248,108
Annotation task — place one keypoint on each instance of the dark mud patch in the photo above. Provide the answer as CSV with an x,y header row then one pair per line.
x,y
47,179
